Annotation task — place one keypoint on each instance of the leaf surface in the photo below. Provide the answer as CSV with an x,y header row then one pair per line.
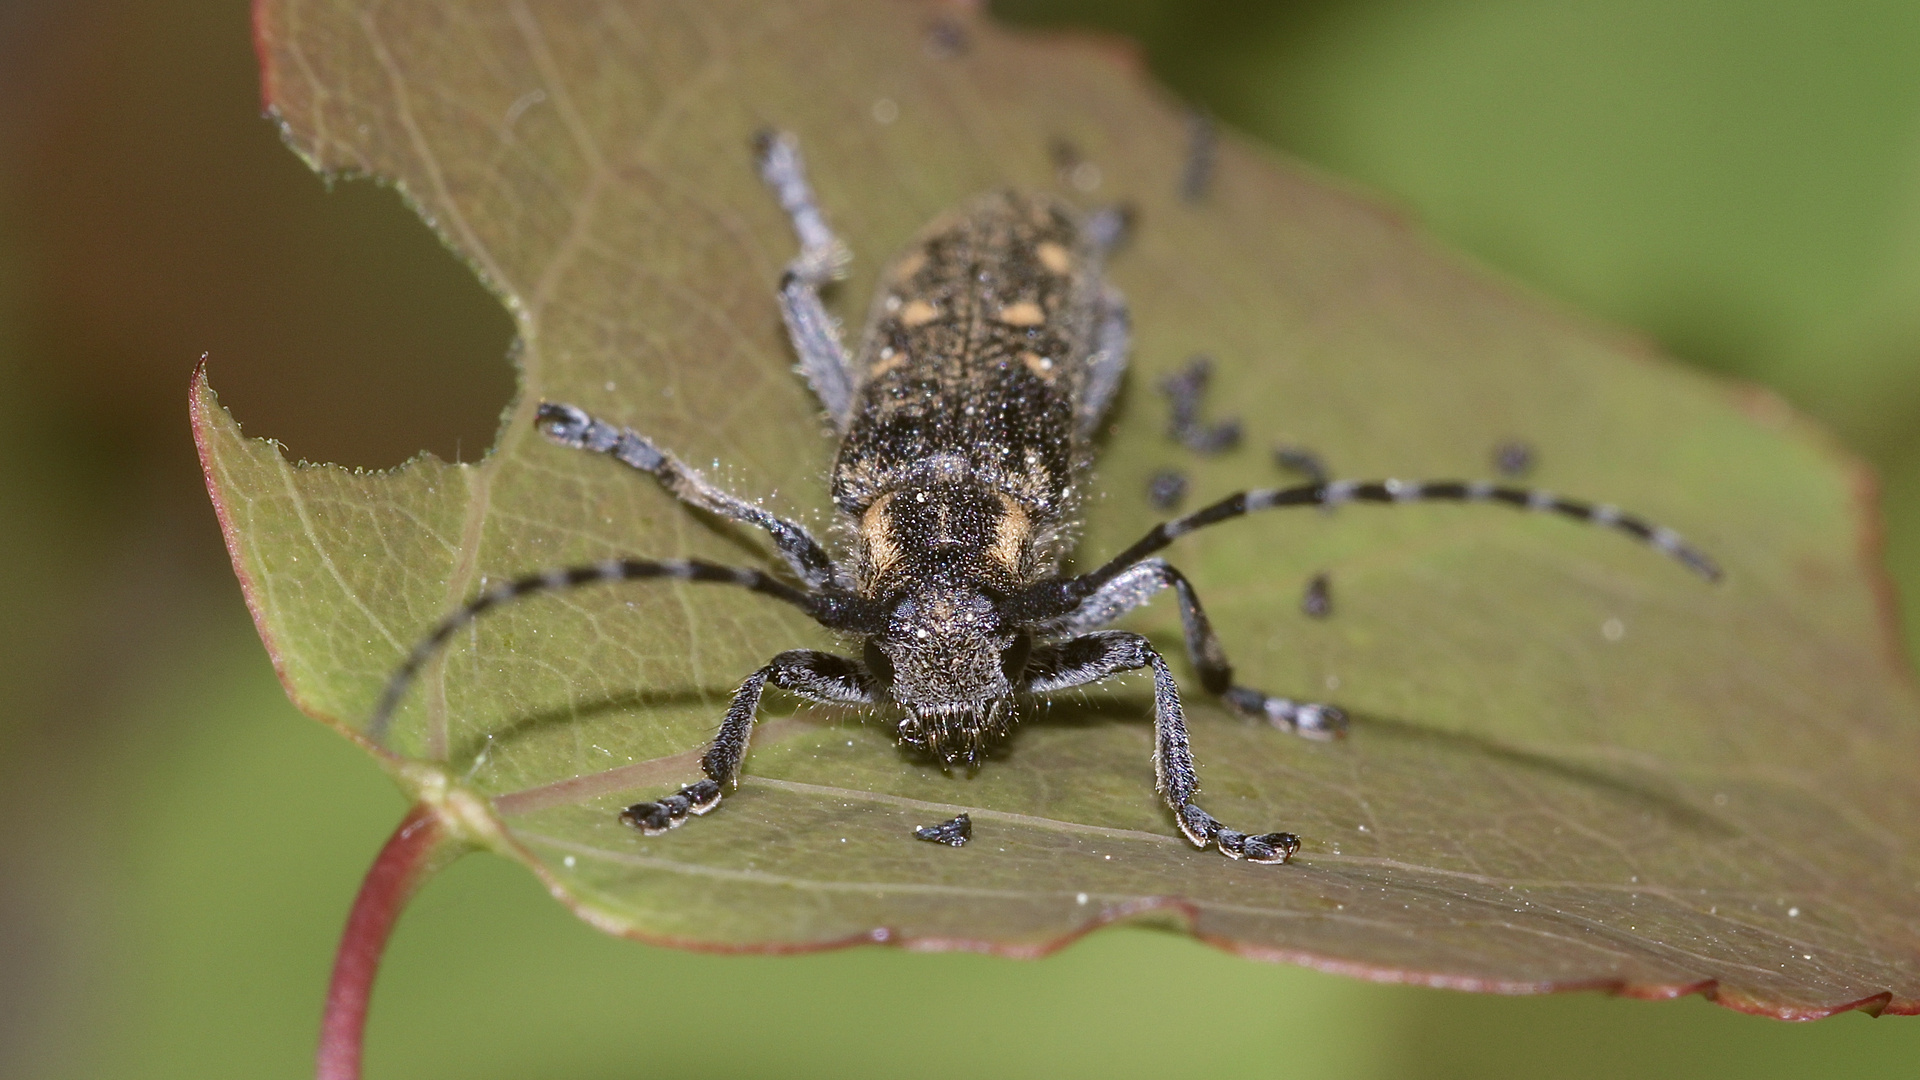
x,y
1572,763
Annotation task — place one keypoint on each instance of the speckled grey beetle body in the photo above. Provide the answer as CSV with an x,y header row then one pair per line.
x,y
993,349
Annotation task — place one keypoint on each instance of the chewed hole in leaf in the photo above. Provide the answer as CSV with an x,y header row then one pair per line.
x,y
397,348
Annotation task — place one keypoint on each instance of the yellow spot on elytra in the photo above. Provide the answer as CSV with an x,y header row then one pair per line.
x,y
1039,365
1053,257
1010,535
876,529
918,313
1024,313
909,265
886,363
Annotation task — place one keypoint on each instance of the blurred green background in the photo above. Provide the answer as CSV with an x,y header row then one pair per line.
x,y
1739,180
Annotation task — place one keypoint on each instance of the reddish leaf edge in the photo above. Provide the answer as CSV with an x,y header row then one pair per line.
x,y
200,403
263,37
1182,916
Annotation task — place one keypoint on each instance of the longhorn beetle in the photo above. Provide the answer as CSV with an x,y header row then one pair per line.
x,y
992,351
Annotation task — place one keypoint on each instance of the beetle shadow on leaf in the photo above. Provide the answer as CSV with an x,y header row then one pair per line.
x,y
1644,793
470,748
818,714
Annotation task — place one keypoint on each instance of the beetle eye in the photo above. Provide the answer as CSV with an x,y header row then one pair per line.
x,y
878,664
1013,660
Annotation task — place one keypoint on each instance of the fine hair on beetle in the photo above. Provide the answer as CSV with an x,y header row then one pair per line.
x,y
965,419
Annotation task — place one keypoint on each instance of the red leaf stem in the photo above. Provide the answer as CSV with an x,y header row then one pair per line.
x,y
412,854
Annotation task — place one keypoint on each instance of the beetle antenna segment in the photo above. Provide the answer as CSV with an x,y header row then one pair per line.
x,y
573,577
1397,491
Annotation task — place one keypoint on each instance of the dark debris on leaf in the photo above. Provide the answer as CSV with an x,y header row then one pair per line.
x,y
946,39
1184,389
953,832
1167,489
1513,458
1317,602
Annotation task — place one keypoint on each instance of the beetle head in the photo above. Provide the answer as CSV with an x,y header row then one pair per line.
x,y
953,668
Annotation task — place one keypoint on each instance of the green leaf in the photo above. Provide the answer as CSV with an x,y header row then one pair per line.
x,y
1572,764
